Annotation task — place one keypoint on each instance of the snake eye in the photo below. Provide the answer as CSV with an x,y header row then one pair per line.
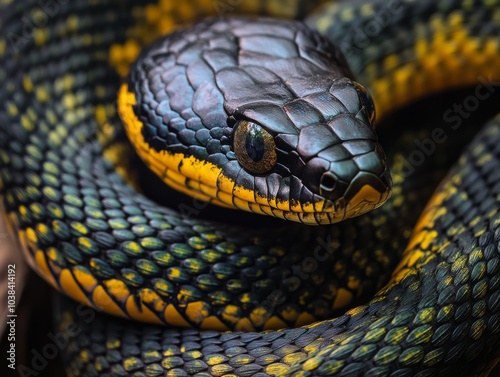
x,y
254,147
366,101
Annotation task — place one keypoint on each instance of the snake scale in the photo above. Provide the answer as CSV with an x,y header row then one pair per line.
x,y
67,190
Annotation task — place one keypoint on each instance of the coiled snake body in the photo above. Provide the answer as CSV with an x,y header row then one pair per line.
x,y
92,236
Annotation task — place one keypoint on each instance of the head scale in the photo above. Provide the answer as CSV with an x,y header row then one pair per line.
x,y
258,114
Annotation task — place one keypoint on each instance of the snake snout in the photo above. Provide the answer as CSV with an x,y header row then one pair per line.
x,y
366,192
354,184
346,179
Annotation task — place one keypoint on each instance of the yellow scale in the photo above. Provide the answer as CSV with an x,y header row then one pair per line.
x,y
428,55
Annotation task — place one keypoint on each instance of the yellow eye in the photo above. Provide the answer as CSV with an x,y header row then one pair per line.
x,y
254,147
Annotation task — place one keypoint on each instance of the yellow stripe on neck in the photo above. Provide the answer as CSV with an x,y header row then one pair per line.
x,y
170,167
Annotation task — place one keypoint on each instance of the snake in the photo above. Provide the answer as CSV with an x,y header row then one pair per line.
x,y
268,116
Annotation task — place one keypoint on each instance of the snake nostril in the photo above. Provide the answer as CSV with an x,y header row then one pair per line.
x,y
328,182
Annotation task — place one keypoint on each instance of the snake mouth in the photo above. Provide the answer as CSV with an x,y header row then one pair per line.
x,y
369,196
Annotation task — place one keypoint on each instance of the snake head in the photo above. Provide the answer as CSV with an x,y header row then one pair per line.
x,y
260,115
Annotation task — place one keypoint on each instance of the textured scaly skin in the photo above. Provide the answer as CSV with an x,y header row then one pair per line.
x,y
64,197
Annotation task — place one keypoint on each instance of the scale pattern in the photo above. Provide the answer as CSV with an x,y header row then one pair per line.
x,y
187,92
78,219
439,317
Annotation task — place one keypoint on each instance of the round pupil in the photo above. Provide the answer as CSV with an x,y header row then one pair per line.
x,y
254,143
